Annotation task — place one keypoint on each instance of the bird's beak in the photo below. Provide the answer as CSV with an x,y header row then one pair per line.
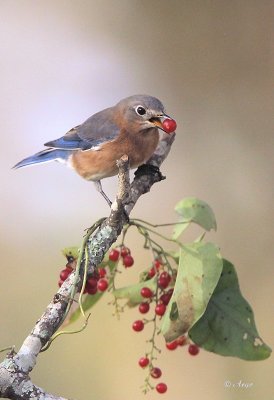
x,y
158,122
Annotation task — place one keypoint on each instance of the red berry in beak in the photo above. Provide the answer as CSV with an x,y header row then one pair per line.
x,y
169,125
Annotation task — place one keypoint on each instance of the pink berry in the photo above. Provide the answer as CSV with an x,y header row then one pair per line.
x,y
156,372
169,125
143,308
138,325
193,349
161,387
143,362
102,285
146,292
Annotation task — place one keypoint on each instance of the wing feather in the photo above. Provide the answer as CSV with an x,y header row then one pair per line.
x,y
95,131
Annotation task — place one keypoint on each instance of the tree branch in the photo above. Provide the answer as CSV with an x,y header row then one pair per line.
x,y
15,382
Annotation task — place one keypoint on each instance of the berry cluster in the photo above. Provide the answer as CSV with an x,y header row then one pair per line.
x,y
155,294
124,253
157,300
97,281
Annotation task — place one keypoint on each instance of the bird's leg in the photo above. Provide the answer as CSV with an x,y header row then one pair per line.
x,y
98,186
149,169
100,190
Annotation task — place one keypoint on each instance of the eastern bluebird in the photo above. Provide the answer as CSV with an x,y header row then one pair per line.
x,y
92,148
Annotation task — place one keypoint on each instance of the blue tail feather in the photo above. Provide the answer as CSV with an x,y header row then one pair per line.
x,y
44,156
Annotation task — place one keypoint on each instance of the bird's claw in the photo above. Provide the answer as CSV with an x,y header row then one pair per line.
x,y
150,169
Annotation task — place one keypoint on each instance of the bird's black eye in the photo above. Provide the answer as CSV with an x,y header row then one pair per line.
x,y
140,110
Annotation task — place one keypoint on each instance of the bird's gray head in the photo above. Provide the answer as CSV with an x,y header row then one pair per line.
x,y
141,111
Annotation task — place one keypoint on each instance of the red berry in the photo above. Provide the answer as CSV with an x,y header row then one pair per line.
x,y
65,273
181,341
128,261
172,345
165,298
161,387
160,309
138,326
146,292
155,372
102,285
164,280
143,308
193,349
143,362
102,272
169,125
114,255
151,272
157,264
95,275
91,286
91,282
125,251
90,290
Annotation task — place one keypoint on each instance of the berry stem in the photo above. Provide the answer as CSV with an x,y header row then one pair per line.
x,y
159,225
151,355
152,242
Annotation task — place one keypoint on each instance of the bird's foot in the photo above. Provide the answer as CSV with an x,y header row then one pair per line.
x,y
149,169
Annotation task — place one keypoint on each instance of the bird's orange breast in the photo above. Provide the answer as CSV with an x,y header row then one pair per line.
x,y
98,164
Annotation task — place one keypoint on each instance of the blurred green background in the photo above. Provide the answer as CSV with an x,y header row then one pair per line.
x,y
211,63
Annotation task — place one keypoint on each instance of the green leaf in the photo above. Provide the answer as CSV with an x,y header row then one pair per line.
x,y
228,327
191,209
179,229
71,252
199,270
132,292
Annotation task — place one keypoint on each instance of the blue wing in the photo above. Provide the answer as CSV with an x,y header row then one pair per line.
x,y
94,132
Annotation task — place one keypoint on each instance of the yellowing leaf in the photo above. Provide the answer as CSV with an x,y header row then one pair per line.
x,y
72,251
199,270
